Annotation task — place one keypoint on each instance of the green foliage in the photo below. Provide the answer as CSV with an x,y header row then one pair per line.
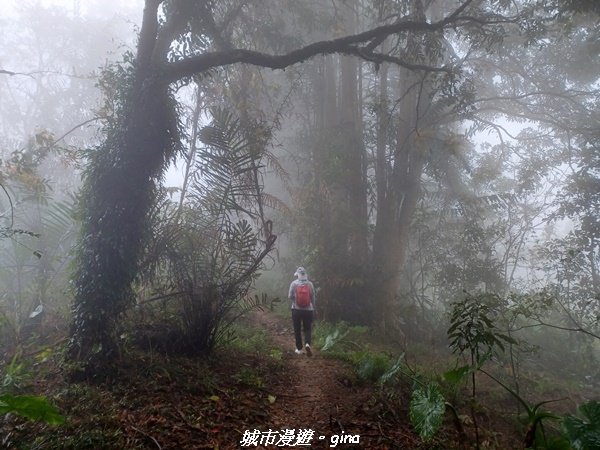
x,y
456,376
30,407
534,417
37,241
14,373
427,407
338,337
583,431
472,327
342,341
248,340
332,339
371,366
392,371
249,377
115,82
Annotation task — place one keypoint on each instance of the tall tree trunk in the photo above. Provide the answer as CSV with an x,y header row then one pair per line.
x,y
348,185
398,184
328,193
398,194
352,139
358,187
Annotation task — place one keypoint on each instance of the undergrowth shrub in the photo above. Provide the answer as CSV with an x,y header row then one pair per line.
x,y
371,366
347,342
205,253
339,337
15,375
249,339
473,331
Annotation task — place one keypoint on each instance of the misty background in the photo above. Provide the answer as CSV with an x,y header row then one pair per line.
x,y
404,189
505,201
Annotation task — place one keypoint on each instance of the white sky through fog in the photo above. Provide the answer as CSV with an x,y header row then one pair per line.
x,y
129,12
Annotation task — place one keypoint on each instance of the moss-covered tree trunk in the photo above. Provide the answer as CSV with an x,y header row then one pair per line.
x,y
117,194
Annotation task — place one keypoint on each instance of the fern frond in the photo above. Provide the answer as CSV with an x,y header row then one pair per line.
x,y
275,203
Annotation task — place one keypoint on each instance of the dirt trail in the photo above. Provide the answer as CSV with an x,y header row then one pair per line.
x,y
315,393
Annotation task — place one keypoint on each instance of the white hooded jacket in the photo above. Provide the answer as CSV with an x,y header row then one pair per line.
x,y
302,279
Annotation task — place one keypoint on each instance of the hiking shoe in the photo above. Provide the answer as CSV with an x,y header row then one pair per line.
x,y
298,352
308,350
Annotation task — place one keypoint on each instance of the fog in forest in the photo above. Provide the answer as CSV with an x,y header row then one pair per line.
x,y
167,166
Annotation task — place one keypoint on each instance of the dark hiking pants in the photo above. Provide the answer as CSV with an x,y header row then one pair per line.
x,y
302,319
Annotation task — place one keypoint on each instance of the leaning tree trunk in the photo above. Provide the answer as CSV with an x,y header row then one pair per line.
x,y
118,193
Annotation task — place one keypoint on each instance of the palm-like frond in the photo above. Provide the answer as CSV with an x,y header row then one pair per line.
x,y
210,249
58,222
272,163
227,168
274,202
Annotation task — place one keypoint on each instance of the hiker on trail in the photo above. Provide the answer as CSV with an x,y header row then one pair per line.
x,y
303,297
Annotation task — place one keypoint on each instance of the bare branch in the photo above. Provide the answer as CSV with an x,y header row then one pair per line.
x,y
578,329
12,208
379,58
10,73
346,44
76,127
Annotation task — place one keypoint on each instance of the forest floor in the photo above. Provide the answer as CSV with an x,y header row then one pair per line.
x,y
319,394
253,393
256,391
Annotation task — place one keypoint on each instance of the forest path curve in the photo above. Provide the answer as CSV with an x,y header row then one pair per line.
x,y
316,393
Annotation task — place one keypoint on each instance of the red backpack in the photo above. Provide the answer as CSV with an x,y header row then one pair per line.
x,y
303,295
